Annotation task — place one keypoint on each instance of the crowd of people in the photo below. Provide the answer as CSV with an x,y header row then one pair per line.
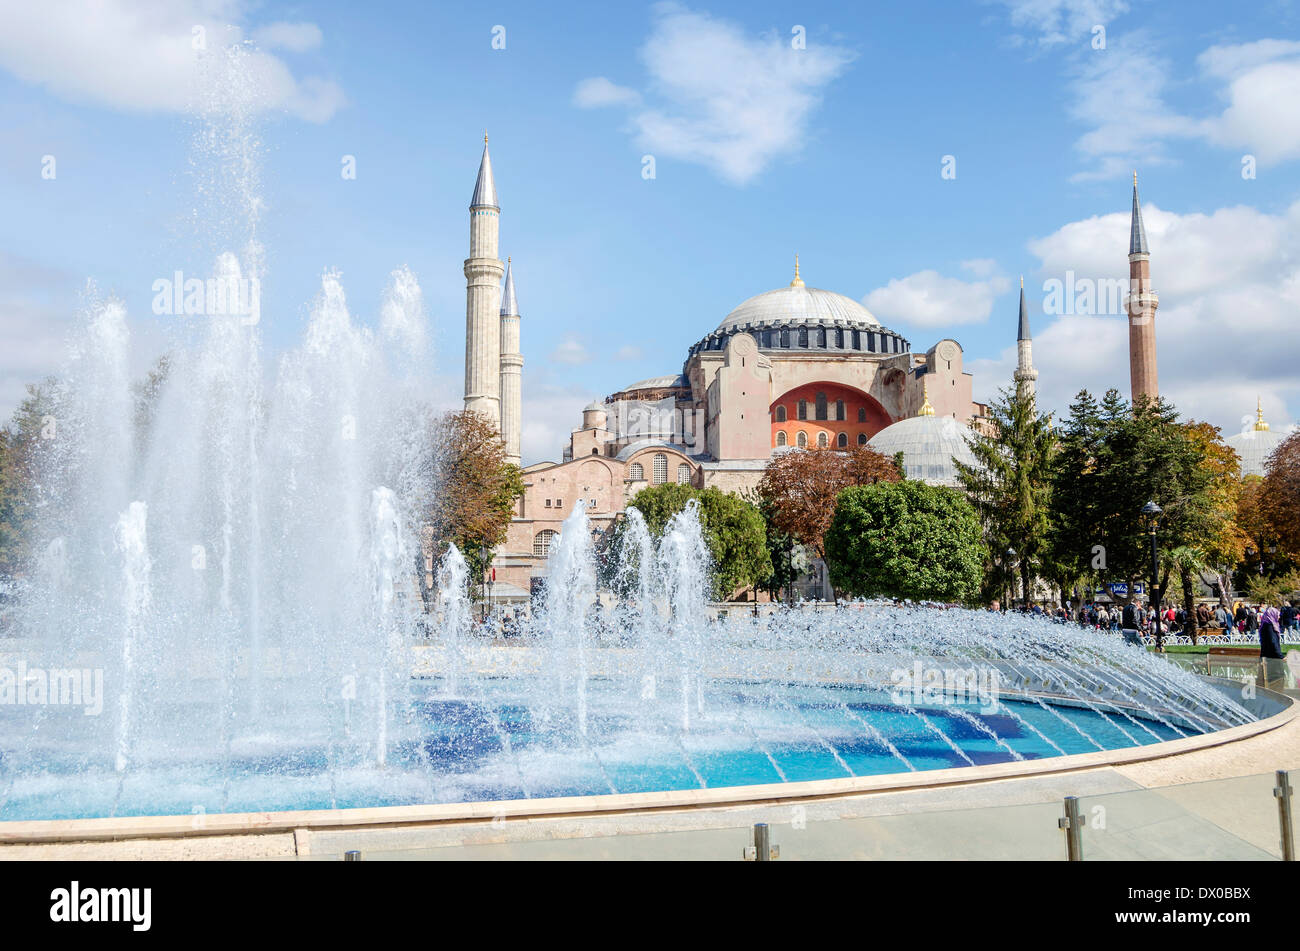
x,y
1269,623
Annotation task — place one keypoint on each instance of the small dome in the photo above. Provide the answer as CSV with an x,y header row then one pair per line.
x,y
798,304
595,406
1254,446
928,445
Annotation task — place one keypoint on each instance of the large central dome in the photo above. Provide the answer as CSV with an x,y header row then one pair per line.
x,y
798,304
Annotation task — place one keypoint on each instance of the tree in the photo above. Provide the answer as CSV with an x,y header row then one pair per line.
x,y
800,488
474,489
21,447
1011,486
906,540
733,529
1114,459
787,556
1281,494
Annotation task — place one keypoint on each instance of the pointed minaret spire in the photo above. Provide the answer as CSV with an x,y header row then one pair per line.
x,y
509,306
1137,242
1141,305
485,189
483,272
1023,333
512,367
1025,375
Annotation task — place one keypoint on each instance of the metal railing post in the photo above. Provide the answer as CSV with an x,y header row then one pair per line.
x,y
762,850
1072,823
1282,792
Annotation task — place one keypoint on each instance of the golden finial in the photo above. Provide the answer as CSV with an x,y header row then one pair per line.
x,y
798,281
507,259
485,138
1135,178
926,408
1022,282
1260,425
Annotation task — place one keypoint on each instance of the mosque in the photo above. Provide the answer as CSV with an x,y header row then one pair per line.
x,y
789,368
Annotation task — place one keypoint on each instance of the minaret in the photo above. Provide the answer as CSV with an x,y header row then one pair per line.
x,y
1142,303
512,363
1025,374
483,298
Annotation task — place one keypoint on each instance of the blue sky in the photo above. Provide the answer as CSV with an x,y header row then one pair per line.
x,y
834,150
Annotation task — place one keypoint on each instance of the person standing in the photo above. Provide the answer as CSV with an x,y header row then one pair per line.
x,y
1270,641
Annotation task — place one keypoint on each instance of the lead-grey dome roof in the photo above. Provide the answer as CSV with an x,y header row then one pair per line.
x,y
799,304
1254,446
928,445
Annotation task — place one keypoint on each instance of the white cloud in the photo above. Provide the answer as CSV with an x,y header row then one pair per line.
x,y
1229,287
1119,93
599,91
1062,21
140,55
1262,114
571,352
720,98
928,299
294,37
551,413
629,352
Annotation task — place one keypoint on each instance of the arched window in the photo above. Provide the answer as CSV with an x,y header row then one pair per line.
x,y
802,440
803,409
803,338
862,414
542,543
780,414
857,339
839,339
595,451
661,469
842,441
770,337
780,438
862,439
821,337
635,472
821,405
823,441
683,474
839,409
785,339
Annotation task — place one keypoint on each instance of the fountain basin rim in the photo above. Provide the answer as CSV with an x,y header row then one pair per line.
x,y
45,831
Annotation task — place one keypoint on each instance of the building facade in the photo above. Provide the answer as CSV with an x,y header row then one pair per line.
x,y
789,368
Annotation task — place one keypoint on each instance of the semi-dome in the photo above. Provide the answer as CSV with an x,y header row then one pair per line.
x,y
928,445
797,304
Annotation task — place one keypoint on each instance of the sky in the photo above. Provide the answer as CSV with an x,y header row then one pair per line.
x,y
658,164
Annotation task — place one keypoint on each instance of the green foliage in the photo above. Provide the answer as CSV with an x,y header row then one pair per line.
x,y
1114,459
22,442
734,531
782,549
1011,487
906,540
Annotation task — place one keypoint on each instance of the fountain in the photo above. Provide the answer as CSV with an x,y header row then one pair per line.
x,y
232,550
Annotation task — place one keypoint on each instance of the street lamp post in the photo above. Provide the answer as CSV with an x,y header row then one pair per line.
x,y
1152,513
483,582
1011,565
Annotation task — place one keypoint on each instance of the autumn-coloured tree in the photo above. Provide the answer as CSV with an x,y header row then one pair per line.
x,y
1223,541
1280,499
800,488
475,489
